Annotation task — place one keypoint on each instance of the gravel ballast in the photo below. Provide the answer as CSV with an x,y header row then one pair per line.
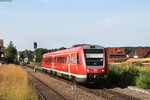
x,y
73,92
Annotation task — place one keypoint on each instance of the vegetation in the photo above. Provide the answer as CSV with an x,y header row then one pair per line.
x,y
143,80
39,53
11,53
129,75
27,56
14,84
38,64
128,50
23,53
139,64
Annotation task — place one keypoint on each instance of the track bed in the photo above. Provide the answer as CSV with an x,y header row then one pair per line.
x,y
62,89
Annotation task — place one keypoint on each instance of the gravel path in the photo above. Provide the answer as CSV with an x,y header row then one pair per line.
x,y
73,92
138,94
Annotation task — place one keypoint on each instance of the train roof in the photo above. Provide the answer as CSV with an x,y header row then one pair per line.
x,y
74,49
64,51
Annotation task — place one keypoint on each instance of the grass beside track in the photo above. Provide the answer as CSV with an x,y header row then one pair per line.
x,y
130,75
14,84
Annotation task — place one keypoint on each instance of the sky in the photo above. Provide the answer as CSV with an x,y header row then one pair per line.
x,y
57,23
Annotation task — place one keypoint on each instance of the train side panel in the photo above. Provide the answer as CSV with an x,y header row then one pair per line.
x,y
72,64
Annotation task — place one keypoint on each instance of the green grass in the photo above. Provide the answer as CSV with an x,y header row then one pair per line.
x,y
129,75
14,84
38,64
143,80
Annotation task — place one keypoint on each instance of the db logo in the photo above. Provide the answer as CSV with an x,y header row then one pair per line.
x,y
95,70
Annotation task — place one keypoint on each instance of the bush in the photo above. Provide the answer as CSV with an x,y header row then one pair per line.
x,y
120,75
39,64
143,80
129,76
115,74
139,64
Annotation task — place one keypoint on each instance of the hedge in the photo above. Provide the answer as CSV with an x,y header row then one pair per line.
x,y
131,76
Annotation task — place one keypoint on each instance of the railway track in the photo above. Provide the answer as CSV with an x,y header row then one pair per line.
x,y
106,93
98,90
45,91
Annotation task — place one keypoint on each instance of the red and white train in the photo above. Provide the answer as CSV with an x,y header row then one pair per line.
x,y
86,63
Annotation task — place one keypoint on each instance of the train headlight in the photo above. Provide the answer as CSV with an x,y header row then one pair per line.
x,y
102,70
89,70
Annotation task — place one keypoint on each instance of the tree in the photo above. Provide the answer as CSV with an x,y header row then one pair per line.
x,y
11,53
41,51
39,54
62,48
128,51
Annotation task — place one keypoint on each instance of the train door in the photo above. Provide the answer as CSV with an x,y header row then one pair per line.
x,y
53,62
69,64
72,66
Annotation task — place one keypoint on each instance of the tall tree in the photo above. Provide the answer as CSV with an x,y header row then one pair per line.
x,y
39,53
11,53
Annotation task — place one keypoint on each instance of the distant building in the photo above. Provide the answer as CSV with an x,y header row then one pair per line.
x,y
116,53
25,57
140,53
28,57
2,49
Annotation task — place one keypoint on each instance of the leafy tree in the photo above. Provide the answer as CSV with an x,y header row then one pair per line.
x,y
61,48
128,51
56,49
40,51
11,53
39,54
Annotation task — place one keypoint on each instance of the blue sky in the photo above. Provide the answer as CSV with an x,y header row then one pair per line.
x,y
57,23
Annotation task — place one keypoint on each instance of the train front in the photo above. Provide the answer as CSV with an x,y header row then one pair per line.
x,y
96,63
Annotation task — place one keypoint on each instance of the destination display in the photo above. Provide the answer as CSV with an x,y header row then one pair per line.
x,y
94,55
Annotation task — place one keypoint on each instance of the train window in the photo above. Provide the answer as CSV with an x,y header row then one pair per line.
x,y
62,59
53,59
94,57
48,59
93,50
74,59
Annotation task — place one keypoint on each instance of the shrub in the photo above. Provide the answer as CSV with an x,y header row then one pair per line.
x,y
38,64
139,64
143,80
122,75
115,74
129,76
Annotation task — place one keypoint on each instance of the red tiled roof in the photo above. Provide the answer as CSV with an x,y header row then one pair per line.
x,y
116,51
141,52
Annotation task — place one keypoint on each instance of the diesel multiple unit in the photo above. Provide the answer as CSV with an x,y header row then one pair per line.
x,y
81,64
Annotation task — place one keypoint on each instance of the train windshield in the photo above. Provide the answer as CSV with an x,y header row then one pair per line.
x,y
94,57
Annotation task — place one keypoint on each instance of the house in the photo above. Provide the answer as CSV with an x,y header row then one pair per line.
x,y
116,53
140,53
28,57
2,59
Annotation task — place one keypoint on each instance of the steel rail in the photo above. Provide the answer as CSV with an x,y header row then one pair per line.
x,y
40,93
103,92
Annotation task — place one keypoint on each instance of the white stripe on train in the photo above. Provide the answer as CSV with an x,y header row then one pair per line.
x,y
78,76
